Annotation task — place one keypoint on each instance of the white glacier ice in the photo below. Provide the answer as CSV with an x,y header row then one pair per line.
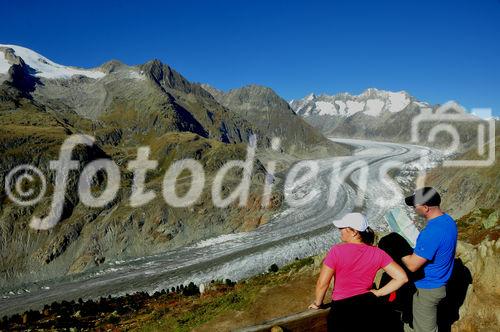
x,y
44,67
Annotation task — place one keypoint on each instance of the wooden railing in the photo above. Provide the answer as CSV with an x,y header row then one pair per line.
x,y
309,320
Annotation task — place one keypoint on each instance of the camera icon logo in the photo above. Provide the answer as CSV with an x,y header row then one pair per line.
x,y
449,113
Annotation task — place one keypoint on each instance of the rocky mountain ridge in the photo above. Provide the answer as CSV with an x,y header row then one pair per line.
x,y
124,107
388,116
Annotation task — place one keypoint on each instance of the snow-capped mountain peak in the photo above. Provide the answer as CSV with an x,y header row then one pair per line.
x,y
371,102
310,97
42,66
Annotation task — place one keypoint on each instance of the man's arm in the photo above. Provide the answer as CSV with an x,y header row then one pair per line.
x,y
413,262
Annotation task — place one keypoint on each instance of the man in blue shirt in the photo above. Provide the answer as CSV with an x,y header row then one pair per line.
x,y
434,253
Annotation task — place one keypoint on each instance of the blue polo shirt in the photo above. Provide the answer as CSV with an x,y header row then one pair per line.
x,y
437,243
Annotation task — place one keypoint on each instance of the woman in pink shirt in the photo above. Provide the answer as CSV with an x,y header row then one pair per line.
x,y
353,265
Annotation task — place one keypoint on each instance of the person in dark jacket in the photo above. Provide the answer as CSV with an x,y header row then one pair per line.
x,y
399,303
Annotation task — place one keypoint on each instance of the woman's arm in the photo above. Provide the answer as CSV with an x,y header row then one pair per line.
x,y
325,276
399,278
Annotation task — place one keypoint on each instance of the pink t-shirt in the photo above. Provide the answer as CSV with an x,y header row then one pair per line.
x,y
355,266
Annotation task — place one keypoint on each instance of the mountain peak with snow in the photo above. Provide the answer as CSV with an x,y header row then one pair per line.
x,y
310,96
39,65
372,102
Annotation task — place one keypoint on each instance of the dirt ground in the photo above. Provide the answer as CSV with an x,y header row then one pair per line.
x,y
271,302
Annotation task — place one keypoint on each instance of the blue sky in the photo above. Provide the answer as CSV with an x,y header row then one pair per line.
x,y
435,50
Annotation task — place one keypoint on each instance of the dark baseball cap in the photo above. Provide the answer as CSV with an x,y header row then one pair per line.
x,y
424,196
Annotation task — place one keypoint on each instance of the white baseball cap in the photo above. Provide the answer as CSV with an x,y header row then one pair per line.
x,y
354,220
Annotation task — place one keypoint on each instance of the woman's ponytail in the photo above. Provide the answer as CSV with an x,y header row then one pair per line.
x,y
367,236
